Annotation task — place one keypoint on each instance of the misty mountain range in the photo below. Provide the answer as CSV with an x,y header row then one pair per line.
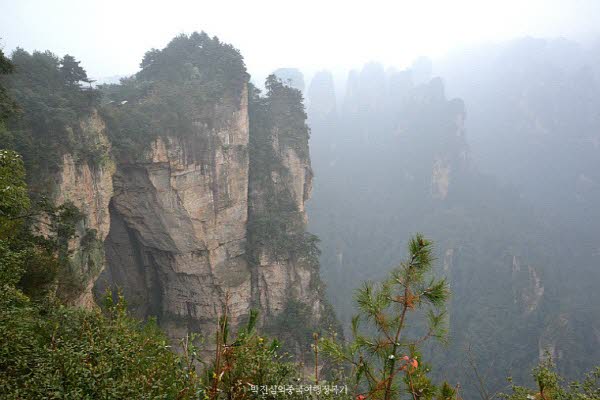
x,y
504,179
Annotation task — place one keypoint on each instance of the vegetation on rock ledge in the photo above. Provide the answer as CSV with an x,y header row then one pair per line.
x,y
179,91
47,92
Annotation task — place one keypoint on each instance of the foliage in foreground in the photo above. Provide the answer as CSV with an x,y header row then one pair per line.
x,y
384,355
49,351
64,353
250,366
550,385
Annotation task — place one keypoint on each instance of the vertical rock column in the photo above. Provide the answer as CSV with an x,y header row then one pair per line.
x,y
178,236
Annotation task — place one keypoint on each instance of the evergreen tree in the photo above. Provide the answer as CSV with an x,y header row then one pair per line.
x,y
72,72
53,105
7,104
384,356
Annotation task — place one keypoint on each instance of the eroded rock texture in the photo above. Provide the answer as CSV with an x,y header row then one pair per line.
x,y
286,286
280,184
88,186
178,233
180,241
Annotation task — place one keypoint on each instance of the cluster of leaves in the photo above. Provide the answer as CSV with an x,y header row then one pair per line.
x,y
56,352
247,360
287,115
275,231
550,385
175,93
243,360
277,121
51,98
294,326
8,106
35,261
14,201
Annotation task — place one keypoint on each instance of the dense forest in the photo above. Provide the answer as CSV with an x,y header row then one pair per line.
x,y
154,240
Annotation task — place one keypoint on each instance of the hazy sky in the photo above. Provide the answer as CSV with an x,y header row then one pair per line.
x,y
111,36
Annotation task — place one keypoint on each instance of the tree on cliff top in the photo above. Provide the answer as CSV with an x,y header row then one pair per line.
x,y
195,57
72,72
47,90
182,89
7,105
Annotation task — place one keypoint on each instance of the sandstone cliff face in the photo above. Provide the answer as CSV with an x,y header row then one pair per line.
x,y
177,243
88,185
178,226
528,289
149,187
284,258
284,274
454,158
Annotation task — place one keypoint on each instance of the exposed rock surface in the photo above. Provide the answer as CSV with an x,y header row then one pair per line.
x,y
174,224
178,234
89,187
284,275
149,185
440,179
527,286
